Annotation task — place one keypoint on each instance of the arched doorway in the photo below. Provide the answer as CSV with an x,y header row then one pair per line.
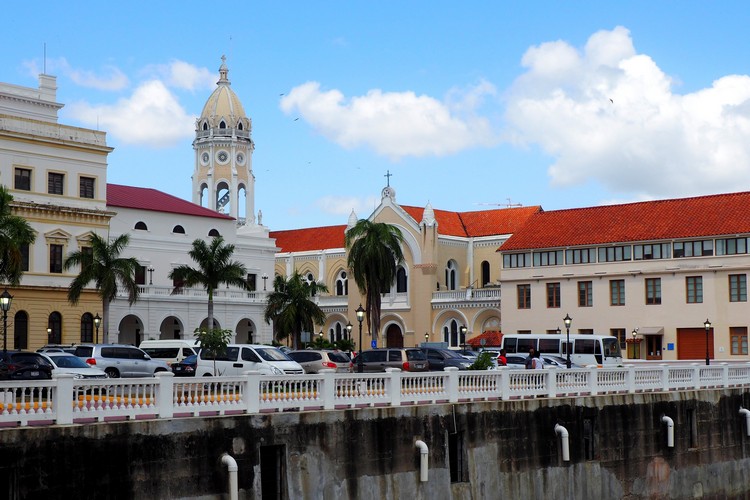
x,y
131,330
171,328
245,332
394,337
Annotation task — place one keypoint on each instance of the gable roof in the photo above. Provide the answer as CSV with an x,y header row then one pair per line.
x,y
157,201
722,214
309,239
478,223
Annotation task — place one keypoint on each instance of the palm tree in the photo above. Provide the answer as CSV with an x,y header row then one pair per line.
x,y
102,264
215,266
374,255
15,232
291,309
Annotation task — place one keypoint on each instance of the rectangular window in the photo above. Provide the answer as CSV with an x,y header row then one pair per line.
x,y
621,335
23,179
653,290
580,256
55,183
524,296
140,275
516,260
56,259
553,258
614,254
24,258
553,294
585,296
651,251
87,187
617,292
738,340
731,246
737,288
700,248
252,282
694,289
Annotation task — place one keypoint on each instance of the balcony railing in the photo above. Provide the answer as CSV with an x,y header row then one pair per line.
x,y
467,295
156,291
65,400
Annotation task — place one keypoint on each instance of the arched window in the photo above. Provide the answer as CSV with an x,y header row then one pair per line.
x,y
401,280
214,233
342,284
450,275
309,279
141,226
178,229
222,124
485,273
205,126
240,127
54,324
21,330
87,327
450,333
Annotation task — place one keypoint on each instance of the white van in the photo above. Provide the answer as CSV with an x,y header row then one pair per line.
x,y
239,358
170,351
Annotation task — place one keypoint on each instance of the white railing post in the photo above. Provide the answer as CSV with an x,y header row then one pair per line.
x,y
328,389
594,381
665,377
504,384
696,376
251,394
452,385
725,375
165,394
551,374
630,379
393,385
62,400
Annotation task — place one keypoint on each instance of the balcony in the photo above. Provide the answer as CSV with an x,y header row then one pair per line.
x,y
466,297
184,294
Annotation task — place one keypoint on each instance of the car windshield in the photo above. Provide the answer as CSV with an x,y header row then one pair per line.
x,y
452,354
611,348
69,362
190,360
338,357
414,355
272,354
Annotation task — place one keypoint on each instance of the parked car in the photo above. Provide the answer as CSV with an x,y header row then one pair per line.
x,y
441,358
22,365
313,361
63,362
468,354
377,360
239,358
186,367
69,348
118,360
170,351
516,362
558,361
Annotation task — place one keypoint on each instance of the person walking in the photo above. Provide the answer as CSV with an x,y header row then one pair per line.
x,y
530,359
502,360
538,361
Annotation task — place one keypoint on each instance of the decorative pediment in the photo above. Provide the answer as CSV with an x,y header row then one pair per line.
x,y
85,238
57,236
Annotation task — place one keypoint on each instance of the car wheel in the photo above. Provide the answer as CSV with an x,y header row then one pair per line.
x,y
112,373
159,370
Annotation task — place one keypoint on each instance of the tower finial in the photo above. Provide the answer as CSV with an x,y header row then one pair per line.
x,y
388,175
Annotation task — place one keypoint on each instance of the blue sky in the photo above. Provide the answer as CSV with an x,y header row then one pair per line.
x,y
470,105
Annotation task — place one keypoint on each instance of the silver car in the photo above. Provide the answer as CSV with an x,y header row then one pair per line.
x,y
120,360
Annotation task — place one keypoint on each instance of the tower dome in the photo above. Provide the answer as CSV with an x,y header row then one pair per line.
x,y
223,102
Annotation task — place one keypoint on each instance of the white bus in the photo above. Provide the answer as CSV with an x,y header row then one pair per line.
x,y
586,350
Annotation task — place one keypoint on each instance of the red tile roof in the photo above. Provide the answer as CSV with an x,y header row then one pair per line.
x,y
491,339
313,238
722,214
157,201
479,223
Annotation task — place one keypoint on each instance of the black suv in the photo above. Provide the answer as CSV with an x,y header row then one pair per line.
x,y
440,358
377,360
22,365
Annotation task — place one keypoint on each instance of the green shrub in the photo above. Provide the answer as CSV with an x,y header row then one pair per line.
x,y
483,362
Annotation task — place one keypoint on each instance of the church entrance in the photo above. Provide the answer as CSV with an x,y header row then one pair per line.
x,y
394,337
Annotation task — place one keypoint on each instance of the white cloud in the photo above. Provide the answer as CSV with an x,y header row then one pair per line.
x,y
183,75
151,116
110,78
393,124
610,115
343,205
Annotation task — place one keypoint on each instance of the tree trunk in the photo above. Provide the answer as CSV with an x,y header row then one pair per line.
x,y
210,309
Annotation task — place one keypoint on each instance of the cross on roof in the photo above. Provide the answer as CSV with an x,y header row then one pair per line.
x,y
388,175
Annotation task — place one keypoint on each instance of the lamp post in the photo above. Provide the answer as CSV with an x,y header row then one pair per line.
x,y
97,321
320,337
635,344
150,275
5,300
426,337
558,331
349,330
49,335
463,336
265,277
360,316
568,320
707,326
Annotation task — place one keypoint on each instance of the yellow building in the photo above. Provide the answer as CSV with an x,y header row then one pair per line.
x,y
449,278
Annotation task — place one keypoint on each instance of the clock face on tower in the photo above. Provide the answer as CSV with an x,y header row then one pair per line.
x,y
222,156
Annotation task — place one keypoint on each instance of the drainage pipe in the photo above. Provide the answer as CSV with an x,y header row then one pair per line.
x,y
232,468
670,430
423,454
563,432
746,412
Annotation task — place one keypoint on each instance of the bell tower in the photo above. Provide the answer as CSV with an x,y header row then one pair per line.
x,y
223,178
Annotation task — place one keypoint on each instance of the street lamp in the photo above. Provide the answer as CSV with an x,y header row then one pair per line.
x,y
320,336
265,277
567,320
360,316
707,326
635,344
150,275
97,320
5,300
49,335
426,337
463,335
349,330
558,331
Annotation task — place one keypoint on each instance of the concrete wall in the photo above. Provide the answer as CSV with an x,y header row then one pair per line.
x,y
507,449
